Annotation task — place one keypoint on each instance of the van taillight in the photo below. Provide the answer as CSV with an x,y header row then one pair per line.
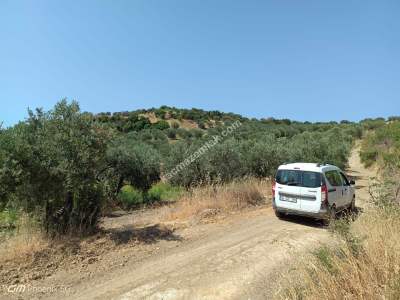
x,y
324,193
273,189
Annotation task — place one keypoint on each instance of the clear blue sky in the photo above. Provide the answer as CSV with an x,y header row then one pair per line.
x,y
304,60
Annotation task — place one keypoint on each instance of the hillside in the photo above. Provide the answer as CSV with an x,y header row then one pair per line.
x,y
189,119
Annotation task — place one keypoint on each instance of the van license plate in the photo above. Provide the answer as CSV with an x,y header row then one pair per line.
x,y
288,199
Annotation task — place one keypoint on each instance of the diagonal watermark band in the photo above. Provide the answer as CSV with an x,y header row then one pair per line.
x,y
202,150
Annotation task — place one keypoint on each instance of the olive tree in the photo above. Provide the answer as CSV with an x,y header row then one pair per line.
x,y
134,162
50,165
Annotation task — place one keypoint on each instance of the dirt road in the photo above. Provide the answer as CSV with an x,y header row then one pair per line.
x,y
226,261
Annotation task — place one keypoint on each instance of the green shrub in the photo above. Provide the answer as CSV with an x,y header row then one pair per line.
x,y
8,219
175,125
50,163
161,125
183,133
368,157
382,144
129,197
325,257
171,133
163,192
134,162
197,133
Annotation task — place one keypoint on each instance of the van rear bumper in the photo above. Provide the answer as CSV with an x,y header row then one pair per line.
x,y
321,214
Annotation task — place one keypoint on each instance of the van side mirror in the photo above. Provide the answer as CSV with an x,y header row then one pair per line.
x,y
352,182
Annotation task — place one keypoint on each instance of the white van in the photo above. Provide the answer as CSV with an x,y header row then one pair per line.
x,y
313,190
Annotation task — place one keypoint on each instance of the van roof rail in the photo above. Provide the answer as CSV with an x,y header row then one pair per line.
x,y
323,164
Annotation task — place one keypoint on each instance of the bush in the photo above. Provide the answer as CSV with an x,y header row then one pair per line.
x,y
196,173
161,125
129,197
264,157
8,219
248,153
171,133
382,145
183,133
368,157
163,192
134,123
50,165
225,161
134,162
175,125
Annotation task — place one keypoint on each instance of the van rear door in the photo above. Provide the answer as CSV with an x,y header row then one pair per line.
x,y
311,191
288,189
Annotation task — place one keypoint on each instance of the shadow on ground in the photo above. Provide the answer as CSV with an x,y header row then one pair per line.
x,y
148,235
116,214
310,222
315,223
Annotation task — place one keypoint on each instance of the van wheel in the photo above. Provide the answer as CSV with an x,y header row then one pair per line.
x,y
352,206
278,214
331,217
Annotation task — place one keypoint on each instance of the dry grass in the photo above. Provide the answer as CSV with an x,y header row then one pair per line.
x,y
25,241
26,254
365,264
214,199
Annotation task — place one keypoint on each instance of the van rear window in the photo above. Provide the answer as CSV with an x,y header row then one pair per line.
x,y
299,178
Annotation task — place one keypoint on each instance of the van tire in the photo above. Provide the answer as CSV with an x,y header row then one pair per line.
x,y
331,217
278,214
352,206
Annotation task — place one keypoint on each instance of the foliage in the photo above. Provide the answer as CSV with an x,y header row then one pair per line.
x,y
130,197
134,123
133,161
50,164
161,125
183,133
171,133
163,192
382,145
373,123
175,125
256,155
8,219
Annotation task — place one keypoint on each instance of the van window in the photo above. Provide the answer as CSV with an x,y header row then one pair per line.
x,y
345,180
299,178
288,177
311,179
334,178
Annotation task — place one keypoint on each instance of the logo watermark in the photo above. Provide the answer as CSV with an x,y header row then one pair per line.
x,y
202,150
28,288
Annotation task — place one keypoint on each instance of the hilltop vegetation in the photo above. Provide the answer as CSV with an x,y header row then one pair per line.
x,y
383,145
64,166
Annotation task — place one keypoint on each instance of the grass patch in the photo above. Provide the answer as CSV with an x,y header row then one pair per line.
x,y
23,240
8,220
130,197
164,192
364,265
219,198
